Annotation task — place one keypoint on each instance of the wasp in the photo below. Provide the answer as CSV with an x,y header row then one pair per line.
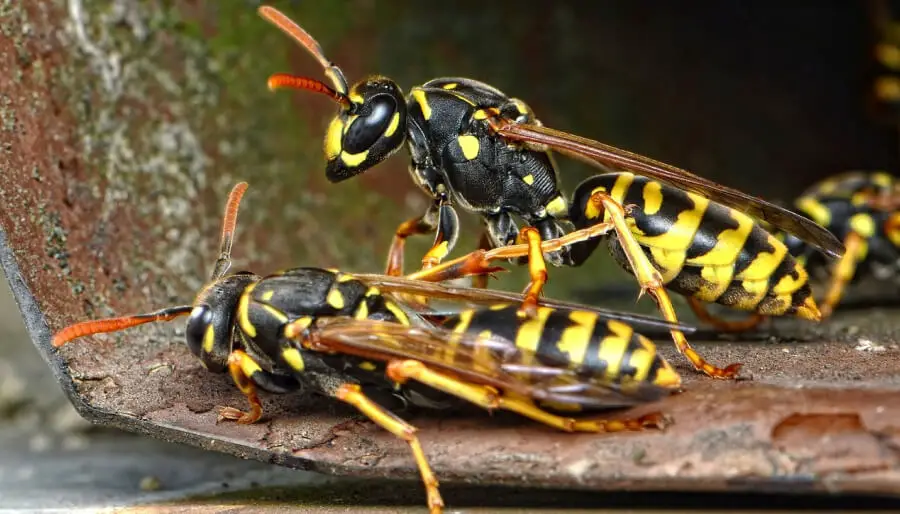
x,y
472,145
863,210
341,333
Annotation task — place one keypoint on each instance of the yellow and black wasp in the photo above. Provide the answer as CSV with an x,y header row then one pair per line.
x,y
340,333
863,210
474,146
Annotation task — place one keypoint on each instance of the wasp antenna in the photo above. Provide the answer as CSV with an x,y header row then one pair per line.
x,y
229,221
102,326
280,80
289,27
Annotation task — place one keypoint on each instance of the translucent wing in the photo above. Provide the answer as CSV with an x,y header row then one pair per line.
x,y
491,361
595,152
389,284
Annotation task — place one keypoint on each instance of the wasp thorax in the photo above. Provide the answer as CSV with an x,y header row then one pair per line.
x,y
368,131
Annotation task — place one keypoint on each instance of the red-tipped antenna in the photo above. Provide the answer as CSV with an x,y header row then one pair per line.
x,y
277,18
229,221
102,326
281,80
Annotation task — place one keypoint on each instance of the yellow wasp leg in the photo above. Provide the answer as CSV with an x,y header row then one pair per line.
x,y
491,399
650,281
241,366
842,273
353,395
720,324
478,262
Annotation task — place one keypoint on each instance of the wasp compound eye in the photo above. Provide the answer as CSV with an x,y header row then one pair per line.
x,y
369,127
197,325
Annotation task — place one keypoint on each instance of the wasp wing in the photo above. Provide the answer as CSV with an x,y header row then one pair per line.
x,y
595,152
390,284
487,360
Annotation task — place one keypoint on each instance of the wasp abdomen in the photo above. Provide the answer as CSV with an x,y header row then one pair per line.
x,y
601,351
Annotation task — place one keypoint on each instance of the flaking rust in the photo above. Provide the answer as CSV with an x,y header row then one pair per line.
x,y
726,436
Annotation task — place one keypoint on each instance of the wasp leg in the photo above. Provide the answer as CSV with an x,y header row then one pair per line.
x,y
445,237
478,262
484,243
491,399
537,270
352,394
650,281
842,273
723,325
423,224
242,368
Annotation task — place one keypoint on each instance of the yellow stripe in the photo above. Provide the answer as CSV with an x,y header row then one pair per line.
x,y
652,197
398,312
275,313
354,159
815,210
293,358
764,264
612,348
333,138
682,232
419,96
529,334
209,338
362,310
395,122
575,339
335,299
249,367
469,145
450,85
345,277
558,207
243,312
717,278
729,243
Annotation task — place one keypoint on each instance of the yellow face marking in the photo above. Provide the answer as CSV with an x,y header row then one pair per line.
x,y
268,295
652,197
275,313
558,207
243,312
469,145
451,85
764,264
356,98
349,122
419,96
395,122
367,366
528,179
863,224
209,339
354,159
401,316
293,358
335,299
574,340
815,210
333,139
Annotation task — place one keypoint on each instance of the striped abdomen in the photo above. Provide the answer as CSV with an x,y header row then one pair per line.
x,y
703,249
596,350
